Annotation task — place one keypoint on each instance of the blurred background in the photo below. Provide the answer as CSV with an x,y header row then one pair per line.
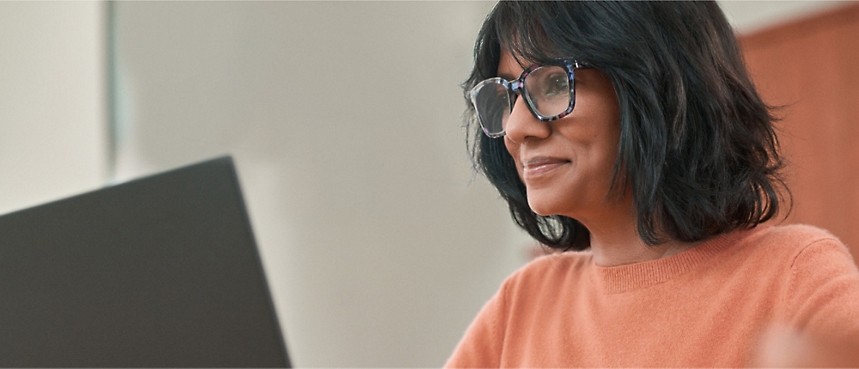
x,y
379,241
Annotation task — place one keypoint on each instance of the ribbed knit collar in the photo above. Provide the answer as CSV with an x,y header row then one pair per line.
x,y
634,276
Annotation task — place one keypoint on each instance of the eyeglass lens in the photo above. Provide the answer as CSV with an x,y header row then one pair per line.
x,y
546,90
493,104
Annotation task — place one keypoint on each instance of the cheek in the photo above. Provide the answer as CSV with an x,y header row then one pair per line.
x,y
513,150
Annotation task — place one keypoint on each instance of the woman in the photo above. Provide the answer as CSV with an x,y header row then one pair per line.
x,y
631,131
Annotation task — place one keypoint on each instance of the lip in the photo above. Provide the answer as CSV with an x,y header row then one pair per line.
x,y
540,166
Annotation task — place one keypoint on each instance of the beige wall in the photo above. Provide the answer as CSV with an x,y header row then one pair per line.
x,y
52,92
345,122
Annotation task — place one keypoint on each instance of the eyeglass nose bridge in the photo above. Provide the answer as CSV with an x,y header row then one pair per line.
x,y
516,88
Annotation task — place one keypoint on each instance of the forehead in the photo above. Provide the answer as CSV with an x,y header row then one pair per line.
x,y
508,67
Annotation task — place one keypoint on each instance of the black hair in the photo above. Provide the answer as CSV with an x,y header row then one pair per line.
x,y
698,148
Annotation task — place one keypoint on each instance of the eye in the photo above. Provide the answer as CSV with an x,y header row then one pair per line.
x,y
555,84
548,90
548,82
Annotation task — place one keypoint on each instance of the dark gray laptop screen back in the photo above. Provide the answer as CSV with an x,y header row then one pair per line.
x,y
158,272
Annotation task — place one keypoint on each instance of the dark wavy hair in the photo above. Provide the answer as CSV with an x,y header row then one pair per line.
x,y
697,149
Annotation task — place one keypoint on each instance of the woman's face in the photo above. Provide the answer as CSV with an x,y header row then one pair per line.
x,y
567,164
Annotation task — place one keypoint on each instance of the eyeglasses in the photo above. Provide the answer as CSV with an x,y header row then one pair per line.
x,y
549,92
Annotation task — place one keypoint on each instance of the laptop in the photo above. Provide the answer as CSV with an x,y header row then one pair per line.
x,y
161,271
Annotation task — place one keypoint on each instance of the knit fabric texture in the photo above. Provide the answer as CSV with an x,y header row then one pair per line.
x,y
707,306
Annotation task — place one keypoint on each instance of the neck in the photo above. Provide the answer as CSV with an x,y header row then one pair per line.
x,y
626,247
615,241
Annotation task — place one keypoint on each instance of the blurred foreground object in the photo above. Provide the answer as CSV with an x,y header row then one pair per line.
x,y
786,348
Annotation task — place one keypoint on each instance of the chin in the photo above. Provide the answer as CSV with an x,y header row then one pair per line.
x,y
542,208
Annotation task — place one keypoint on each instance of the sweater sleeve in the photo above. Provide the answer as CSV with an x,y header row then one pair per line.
x,y
824,291
483,341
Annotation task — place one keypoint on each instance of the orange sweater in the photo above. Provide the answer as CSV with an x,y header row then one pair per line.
x,y
707,306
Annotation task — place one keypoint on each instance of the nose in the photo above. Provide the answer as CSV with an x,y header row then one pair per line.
x,y
522,125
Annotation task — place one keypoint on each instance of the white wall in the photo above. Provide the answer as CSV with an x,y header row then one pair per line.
x,y
52,91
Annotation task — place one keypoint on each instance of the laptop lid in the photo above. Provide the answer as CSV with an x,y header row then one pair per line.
x,y
162,271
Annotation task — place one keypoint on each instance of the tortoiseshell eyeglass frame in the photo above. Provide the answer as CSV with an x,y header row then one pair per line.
x,y
517,87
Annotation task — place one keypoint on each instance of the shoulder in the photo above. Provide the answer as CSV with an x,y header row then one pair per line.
x,y
795,234
811,250
823,282
523,294
562,263
821,286
548,273
790,244
811,256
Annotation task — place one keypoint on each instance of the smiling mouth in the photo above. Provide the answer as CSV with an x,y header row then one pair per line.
x,y
539,167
